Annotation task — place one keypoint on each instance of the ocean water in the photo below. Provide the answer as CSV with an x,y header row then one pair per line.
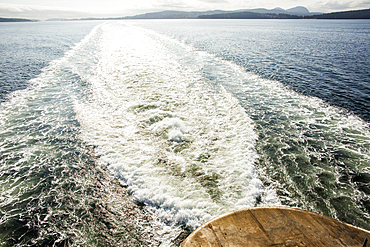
x,y
133,133
27,48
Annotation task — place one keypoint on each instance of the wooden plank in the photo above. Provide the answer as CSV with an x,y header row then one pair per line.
x,y
230,230
279,228
275,226
321,229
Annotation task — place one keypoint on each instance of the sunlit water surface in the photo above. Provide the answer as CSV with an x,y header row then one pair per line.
x,y
144,130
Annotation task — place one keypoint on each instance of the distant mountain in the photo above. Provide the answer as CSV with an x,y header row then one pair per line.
x,y
263,11
15,20
354,14
298,11
250,15
295,13
169,14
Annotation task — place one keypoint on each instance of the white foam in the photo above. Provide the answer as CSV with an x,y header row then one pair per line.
x,y
183,145
303,132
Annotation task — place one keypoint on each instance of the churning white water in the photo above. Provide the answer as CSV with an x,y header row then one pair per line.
x,y
188,133
182,144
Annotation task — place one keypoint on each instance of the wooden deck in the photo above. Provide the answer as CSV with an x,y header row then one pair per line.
x,y
276,226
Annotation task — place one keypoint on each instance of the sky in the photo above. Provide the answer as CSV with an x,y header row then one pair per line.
x,y
45,9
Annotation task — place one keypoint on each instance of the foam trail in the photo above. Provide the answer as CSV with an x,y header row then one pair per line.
x,y
315,156
182,144
52,190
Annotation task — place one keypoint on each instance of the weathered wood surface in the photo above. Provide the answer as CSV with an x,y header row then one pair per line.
x,y
276,226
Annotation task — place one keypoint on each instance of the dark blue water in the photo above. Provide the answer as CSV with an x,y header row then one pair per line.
x,y
26,48
325,59
194,118
307,154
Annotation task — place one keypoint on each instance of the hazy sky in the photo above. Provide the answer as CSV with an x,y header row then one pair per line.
x,y
43,9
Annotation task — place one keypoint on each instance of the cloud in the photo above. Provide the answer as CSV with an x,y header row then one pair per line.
x,y
333,6
174,4
117,8
39,12
214,1
200,5
365,4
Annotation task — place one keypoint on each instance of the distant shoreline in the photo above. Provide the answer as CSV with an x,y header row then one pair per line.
x,y
276,13
345,15
16,20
